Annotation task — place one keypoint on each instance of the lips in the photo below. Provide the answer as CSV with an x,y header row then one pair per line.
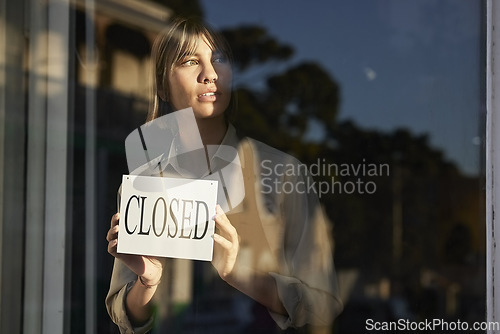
x,y
208,97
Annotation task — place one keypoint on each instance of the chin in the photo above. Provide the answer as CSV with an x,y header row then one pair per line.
x,y
207,117
207,114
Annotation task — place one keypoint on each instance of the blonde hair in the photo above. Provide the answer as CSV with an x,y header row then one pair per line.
x,y
169,48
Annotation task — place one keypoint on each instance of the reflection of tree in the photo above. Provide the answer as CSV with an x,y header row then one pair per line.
x,y
252,45
290,102
281,114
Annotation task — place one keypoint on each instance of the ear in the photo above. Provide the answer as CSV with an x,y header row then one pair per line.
x,y
160,90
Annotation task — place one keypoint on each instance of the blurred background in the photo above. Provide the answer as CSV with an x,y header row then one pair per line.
x,y
397,83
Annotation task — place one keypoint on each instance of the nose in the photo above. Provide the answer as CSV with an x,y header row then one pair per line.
x,y
208,74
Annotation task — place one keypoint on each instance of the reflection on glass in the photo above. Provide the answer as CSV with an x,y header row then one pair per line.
x,y
382,83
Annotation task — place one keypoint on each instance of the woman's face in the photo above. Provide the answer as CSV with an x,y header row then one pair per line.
x,y
202,81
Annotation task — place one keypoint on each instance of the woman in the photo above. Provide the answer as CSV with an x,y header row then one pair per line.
x,y
273,248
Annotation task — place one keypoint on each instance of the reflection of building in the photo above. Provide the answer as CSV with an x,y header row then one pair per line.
x,y
123,32
65,110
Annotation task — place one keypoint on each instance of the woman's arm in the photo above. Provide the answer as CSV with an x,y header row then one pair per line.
x,y
138,300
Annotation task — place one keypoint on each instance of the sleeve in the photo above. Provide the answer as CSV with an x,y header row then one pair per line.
x,y
308,286
122,280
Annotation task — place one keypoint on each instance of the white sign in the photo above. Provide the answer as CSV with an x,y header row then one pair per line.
x,y
168,217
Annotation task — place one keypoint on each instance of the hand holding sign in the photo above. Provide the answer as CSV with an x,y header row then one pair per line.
x,y
149,268
226,244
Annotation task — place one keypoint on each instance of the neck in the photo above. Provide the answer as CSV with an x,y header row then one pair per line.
x,y
212,130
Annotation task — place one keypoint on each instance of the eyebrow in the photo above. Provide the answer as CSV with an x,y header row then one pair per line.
x,y
215,52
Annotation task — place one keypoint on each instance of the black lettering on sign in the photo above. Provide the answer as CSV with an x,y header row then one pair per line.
x,y
174,218
164,216
184,218
126,214
185,209
198,203
142,219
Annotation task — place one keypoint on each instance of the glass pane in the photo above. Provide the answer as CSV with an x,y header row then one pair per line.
x,y
380,101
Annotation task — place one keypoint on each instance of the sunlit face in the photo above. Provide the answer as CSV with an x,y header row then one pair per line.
x,y
202,81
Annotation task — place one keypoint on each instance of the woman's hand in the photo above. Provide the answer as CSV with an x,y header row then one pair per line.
x,y
149,268
226,245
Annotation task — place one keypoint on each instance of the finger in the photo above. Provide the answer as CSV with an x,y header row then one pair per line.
x,y
112,247
223,242
219,211
112,233
115,219
227,235
228,232
223,223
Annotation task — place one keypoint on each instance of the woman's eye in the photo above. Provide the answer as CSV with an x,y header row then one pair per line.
x,y
190,62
